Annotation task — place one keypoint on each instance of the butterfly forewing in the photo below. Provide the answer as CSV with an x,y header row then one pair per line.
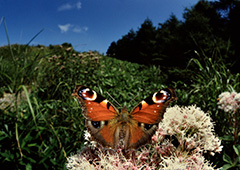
x,y
151,110
94,106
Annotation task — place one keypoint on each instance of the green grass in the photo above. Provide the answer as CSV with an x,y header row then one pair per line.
x,y
43,125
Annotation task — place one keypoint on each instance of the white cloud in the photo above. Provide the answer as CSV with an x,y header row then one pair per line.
x,y
69,6
65,28
78,29
85,28
73,28
65,7
79,5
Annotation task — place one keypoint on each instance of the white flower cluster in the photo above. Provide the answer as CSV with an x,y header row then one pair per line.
x,y
88,140
229,102
195,161
192,127
77,162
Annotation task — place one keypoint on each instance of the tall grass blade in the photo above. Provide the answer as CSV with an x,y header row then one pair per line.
x,y
6,30
31,108
34,37
17,139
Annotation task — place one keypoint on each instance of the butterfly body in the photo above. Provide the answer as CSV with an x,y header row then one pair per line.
x,y
111,127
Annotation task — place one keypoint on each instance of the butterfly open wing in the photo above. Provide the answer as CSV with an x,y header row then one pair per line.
x,y
148,113
98,112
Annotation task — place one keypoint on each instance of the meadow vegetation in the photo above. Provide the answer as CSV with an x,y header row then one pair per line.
x,y
41,124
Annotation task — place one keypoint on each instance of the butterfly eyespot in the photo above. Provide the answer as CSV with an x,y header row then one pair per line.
x,y
96,124
147,126
161,96
87,94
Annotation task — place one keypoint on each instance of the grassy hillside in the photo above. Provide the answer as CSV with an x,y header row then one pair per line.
x,y
41,124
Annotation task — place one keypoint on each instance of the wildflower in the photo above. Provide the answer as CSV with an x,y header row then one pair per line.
x,y
195,161
154,138
49,59
192,127
237,97
229,102
62,67
80,55
96,158
88,138
54,57
68,49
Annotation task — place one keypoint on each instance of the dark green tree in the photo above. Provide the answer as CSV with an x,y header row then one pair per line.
x,y
170,42
112,49
230,15
146,42
124,48
209,28
204,29
136,46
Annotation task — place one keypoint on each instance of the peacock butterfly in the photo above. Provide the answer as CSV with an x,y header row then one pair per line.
x,y
110,127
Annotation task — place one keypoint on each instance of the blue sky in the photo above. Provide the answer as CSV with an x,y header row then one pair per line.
x,y
86,24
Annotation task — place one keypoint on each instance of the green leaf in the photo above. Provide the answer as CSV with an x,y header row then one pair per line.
x,y
227,159
236,150
226,166
28,167
227,138
237,160
32,145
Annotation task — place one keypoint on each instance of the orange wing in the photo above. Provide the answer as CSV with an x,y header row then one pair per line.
x,y
94,106
151,110
147,114
98,112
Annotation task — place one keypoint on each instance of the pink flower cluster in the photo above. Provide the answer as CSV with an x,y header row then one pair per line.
x,y
229,102
103,158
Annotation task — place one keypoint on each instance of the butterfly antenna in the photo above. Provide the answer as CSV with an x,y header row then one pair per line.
x,y
135,96
114,100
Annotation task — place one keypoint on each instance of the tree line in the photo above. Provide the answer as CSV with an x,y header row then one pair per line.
x,y
208,29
